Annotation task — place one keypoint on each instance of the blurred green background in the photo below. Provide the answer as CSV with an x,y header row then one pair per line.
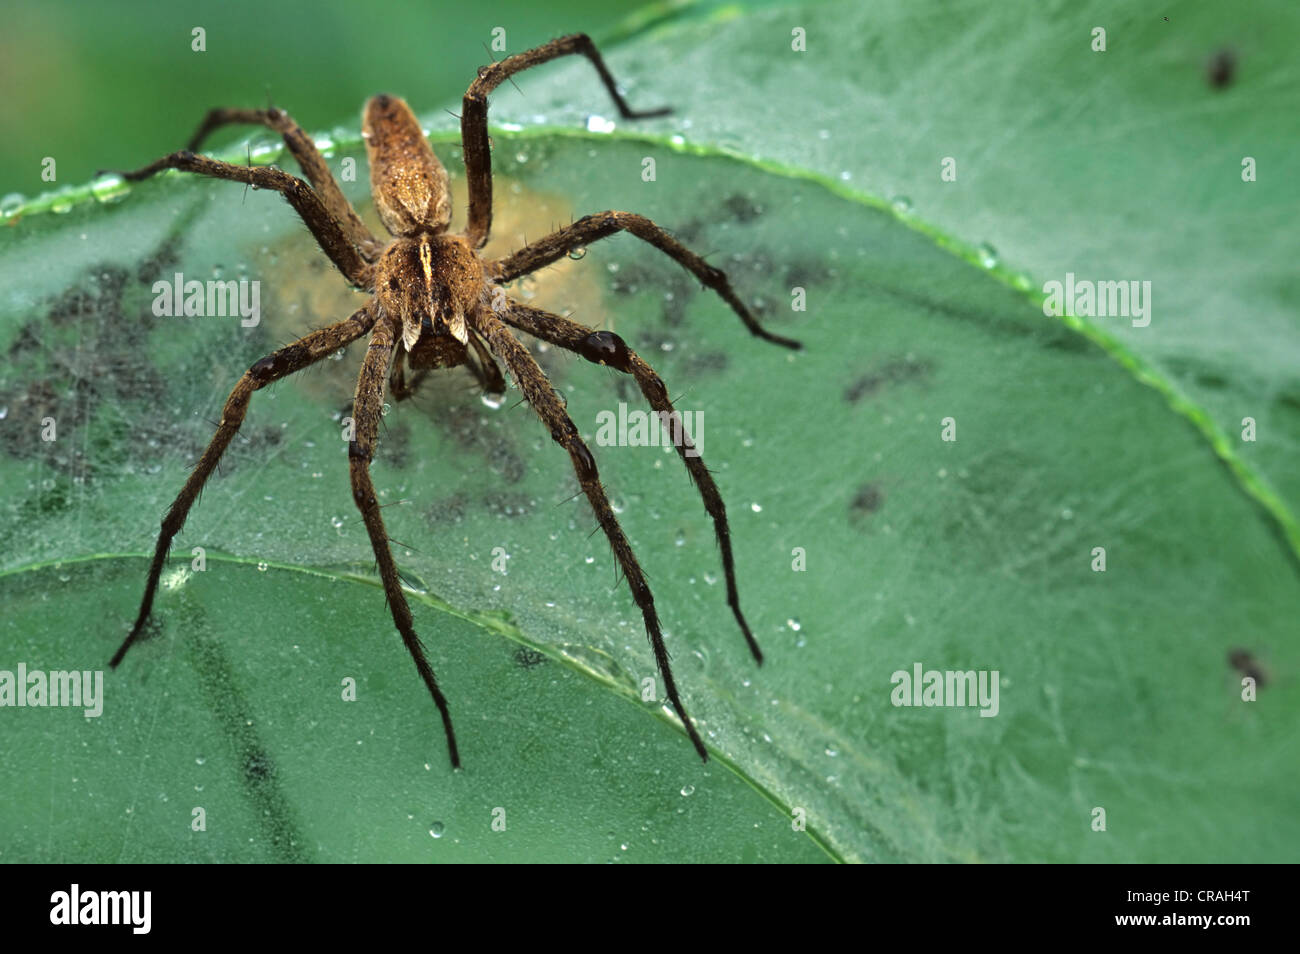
x,y
111,86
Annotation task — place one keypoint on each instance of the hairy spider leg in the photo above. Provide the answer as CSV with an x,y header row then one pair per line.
x,y
473,119
329,232
310,160
607,348
592,228
532,381
367,410
279,364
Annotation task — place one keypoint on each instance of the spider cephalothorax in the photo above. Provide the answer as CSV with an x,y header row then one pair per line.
x,y
430,283
436,303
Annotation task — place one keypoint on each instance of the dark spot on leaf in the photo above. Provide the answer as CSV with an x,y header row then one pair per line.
x,y
528,658
1290,400
742,208
708,362
806,274
895,371
257,766
867,500
1071,342
395,443
1246,664
164,259
1222,69
447,510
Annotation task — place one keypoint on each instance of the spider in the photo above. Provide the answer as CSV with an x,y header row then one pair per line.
x,y
436,303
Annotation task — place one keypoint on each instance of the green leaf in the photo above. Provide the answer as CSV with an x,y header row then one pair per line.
x,y
974,554
1118,165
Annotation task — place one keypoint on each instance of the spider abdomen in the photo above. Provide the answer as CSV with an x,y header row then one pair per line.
x,y
407,181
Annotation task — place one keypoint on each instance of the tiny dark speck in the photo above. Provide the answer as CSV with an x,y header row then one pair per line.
x,y
867,500
1246,664
1222,69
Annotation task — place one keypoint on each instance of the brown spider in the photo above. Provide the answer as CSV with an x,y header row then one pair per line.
x,y
437,304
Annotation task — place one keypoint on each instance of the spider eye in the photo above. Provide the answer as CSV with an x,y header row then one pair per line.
x,y
605,347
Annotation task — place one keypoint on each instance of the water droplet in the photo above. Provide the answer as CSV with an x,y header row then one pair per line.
x,y
337,522
902,204
794,624
599,124
61,205
688,790
4,412
988,255
386,408
269,150
757,508
590,559
680,538
579,253
617,504
845,175
831,751
110,188
11,203
436,829
262,567
493,401
521,157
199,760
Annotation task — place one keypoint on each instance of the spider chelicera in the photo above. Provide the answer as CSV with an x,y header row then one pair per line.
x,y
437,304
